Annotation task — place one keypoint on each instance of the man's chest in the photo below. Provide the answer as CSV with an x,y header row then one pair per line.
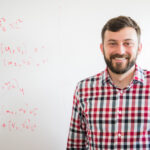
x,y
118,111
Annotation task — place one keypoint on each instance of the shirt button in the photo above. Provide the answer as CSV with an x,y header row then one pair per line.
x,y
119,135
121,92
119,112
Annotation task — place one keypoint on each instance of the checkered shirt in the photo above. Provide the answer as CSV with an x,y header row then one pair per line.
x,y
105,117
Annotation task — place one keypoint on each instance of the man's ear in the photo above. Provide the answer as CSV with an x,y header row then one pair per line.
x,y
139,48
102,48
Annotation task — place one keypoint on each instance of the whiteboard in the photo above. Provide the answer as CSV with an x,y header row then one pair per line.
x,y
27,42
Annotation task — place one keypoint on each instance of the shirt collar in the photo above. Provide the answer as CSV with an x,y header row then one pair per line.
x,y
138,75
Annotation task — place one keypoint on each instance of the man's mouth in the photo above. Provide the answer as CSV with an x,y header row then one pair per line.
x,y
118,59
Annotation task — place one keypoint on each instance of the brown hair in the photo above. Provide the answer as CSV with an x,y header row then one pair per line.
x,y
118,23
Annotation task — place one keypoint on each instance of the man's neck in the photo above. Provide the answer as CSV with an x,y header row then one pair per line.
x,y
122,80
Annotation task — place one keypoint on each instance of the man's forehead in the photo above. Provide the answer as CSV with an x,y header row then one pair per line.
x,y
127,33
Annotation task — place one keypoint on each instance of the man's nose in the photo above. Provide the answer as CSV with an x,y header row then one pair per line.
x,y
121,49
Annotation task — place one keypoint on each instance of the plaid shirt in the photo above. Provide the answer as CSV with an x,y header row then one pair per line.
x,y
105,117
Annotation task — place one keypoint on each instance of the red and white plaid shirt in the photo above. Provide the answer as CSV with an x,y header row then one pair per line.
x,y
105,117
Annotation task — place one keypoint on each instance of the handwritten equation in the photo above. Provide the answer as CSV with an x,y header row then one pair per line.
x,y
13,55
11,85
20,56
5,25
18,119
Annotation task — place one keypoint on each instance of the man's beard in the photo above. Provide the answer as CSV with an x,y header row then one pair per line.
x,y
118,68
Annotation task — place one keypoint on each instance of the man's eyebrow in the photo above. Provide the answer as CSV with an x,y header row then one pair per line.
x,y
111,40
128,40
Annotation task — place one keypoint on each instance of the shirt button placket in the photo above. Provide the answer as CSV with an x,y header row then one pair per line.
x,y
119,115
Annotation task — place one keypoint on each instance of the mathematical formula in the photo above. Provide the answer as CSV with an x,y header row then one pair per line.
x,y
11,85
5,25
18,119
20,56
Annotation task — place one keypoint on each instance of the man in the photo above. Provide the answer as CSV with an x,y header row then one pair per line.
x,y
111,110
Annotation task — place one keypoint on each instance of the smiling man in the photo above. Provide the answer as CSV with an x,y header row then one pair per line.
x,y
111,110
120,50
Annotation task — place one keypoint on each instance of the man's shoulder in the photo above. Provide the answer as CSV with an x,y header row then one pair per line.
x,y
91,80
146,73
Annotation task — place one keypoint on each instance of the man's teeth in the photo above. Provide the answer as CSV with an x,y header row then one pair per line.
x,y
120,58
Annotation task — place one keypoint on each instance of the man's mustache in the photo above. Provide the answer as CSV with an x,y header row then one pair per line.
x,y
119,56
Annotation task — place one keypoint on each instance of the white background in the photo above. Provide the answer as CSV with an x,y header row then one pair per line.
x,y
59,45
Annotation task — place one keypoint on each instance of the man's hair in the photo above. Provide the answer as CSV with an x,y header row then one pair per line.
x,y
118,23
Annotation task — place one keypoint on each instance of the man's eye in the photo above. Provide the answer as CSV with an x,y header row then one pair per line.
x,y
112,44
128,44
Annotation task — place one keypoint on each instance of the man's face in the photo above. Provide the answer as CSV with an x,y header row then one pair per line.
x,y
120,49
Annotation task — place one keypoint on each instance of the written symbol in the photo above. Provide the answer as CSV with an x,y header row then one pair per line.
x,y
24,60
22,110
11,112
45,61
2,21
15,25
36,49
7,49
22,90
11,63
19,49
4,25
10,125
33,112
21,118
30,112
3,125
27,125
12,84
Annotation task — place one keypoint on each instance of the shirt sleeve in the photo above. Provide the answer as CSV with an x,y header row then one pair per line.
x,y
77,134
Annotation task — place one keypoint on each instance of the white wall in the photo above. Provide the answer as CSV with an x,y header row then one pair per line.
x,y
46,47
